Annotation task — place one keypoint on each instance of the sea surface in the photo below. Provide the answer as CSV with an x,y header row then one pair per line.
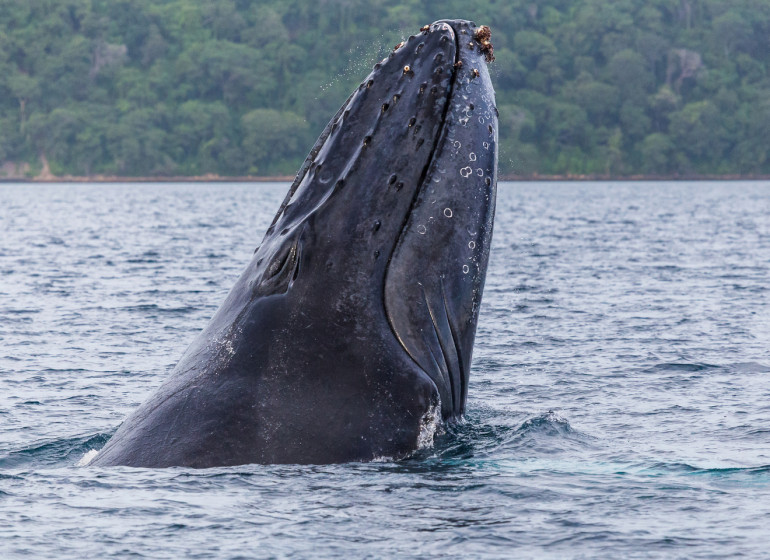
x,y
619,403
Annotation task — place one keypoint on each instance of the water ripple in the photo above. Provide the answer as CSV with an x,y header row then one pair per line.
x,y
618,404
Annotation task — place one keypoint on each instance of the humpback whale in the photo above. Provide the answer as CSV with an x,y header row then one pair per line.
x,y
349,335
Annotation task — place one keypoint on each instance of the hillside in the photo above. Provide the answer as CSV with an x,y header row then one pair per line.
x,y
187,87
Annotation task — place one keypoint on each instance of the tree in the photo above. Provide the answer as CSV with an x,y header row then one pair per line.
x,y
656,150
697,131
273,140
231,87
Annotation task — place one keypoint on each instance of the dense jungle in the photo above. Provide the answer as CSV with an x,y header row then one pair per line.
x,y
158,88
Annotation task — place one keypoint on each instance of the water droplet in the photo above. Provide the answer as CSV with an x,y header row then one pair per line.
x,y
479,172
471,244
466,270
448,212
472,156
486,145
466,171
421,229
457,144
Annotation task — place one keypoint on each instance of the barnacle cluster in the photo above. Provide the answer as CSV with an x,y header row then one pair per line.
x,y
483,35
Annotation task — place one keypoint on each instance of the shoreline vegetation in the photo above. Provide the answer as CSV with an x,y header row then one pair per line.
x,y
232,90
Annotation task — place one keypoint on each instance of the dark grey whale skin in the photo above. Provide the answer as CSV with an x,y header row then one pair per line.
x,y
354,322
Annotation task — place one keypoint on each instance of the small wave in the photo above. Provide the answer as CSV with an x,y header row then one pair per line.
x,y
686,469
546,433
750,367
761,471
550,423
142,308
59,452
682,366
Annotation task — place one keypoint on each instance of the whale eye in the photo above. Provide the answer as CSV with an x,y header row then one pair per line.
x,y
281,272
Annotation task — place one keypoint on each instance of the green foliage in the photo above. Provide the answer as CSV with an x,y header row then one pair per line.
x,y
267,133
189,87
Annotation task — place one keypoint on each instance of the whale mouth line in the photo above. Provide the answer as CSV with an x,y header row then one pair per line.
x,y
421,184
435,149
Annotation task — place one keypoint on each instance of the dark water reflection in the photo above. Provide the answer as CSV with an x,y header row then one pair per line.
x,y
619,404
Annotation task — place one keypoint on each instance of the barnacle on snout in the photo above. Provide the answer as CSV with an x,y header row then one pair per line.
x,y
484,35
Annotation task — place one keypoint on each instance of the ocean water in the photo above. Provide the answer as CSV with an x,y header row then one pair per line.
x,y
619,403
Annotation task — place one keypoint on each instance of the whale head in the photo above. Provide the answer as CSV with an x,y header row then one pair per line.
x,y
390,217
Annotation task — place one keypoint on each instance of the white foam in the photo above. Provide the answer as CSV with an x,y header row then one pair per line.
x,y
87,458
429,426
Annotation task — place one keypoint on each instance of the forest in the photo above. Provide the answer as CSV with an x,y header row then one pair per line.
x,y
156,88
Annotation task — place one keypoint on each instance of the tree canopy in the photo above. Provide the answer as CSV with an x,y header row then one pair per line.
x,y
236,87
